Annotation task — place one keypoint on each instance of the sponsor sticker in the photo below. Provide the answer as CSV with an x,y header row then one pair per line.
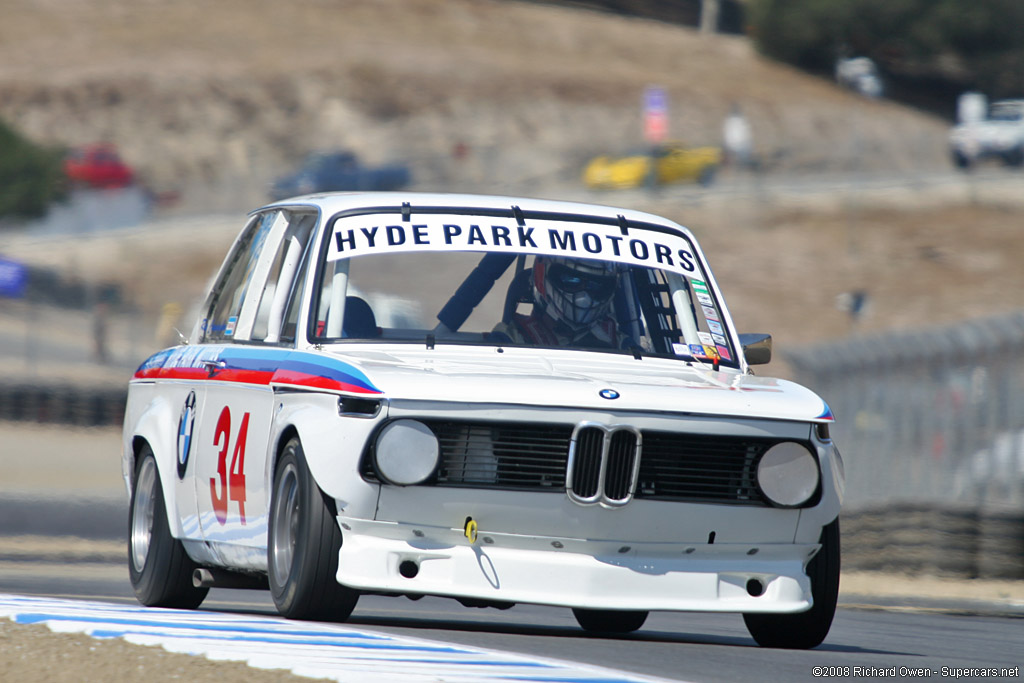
x,y
705,338
229,329
718,339
700,351
704,298
710,313
715,327
723,351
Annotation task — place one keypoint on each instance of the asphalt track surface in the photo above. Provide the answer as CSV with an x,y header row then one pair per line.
x,y
673,646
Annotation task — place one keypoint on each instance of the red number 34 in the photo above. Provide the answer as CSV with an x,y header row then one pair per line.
x,y
232,481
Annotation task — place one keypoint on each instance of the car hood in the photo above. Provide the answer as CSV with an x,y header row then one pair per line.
x,y
581,380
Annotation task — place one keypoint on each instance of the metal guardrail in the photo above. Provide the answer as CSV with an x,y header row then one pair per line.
x,y
62,404
947,541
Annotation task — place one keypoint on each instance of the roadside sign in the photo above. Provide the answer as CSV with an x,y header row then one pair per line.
x,y
655,114
13,276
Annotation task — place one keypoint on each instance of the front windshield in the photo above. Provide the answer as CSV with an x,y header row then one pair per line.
x,y
514,298
1007,112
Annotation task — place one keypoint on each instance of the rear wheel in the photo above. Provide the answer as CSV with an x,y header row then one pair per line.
x,y
159,569
303,545
609,621
805,629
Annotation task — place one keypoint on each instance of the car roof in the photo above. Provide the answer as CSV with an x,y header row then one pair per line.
x,y
330,203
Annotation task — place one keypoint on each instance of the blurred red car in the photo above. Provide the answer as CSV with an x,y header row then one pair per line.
x,y
98,165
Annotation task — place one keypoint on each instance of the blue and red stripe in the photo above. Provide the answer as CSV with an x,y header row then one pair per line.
x,y
257,366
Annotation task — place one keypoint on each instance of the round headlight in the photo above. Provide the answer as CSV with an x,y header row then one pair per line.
x,y
406,453
788,474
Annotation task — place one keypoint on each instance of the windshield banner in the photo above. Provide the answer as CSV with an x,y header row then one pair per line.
x,y
362,235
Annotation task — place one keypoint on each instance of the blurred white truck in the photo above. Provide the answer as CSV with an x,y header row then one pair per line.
x,y
1001,135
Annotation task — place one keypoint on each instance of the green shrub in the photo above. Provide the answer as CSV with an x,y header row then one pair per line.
x,y
977,44
31,176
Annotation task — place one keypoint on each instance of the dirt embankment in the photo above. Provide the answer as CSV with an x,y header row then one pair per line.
x,y
221,97
199,92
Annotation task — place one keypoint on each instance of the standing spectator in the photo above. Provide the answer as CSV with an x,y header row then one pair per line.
x,y
100,315
737,139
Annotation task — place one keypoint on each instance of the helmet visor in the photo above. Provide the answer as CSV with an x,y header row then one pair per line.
x,y
569,281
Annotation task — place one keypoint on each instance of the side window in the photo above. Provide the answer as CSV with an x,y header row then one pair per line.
x,y
249,300
281,284
291,318
228,294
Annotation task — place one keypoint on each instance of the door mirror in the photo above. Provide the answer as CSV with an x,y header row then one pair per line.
x,y
757,348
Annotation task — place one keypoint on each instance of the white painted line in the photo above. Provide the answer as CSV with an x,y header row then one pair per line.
x,y
312,649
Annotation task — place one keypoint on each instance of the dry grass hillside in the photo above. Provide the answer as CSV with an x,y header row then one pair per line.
x,y
225,95
193,90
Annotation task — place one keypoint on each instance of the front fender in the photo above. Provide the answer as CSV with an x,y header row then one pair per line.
x,y
833,483
333,445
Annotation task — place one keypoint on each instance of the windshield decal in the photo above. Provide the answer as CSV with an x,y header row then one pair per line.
x,y
359,236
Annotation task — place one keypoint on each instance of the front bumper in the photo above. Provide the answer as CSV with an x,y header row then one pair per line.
x,y
570,572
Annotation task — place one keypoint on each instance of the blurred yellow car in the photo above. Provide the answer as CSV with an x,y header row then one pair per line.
x,y
676,163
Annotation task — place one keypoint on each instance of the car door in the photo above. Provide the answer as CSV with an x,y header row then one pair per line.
x,y
235,420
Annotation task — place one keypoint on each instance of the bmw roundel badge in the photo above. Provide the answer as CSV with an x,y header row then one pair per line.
x,y
185,424
609,394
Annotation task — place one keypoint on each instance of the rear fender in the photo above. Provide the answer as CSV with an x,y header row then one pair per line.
x,y
156,424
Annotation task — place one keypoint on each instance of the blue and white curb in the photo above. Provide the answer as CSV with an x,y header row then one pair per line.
x,y
310,649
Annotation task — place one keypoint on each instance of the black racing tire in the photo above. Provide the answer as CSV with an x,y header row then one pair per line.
x,y
303,544
609,620
961,160
1015,157
804,630
158,566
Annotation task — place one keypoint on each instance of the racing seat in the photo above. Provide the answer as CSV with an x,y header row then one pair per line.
x,y
359,321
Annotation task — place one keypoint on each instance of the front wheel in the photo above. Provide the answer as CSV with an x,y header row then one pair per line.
x,y
609,621
158,567
961,160
303,545
808,629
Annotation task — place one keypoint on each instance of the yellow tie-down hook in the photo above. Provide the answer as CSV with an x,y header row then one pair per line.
x,y
469,530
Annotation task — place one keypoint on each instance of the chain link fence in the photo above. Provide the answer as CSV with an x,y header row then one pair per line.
x,y
931,427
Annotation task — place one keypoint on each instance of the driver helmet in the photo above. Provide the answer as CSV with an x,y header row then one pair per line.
x,y
575,292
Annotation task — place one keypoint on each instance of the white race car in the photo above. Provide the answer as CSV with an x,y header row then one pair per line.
x,y
498,400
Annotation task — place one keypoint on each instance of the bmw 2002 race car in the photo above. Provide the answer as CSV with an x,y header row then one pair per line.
x,y
498,400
